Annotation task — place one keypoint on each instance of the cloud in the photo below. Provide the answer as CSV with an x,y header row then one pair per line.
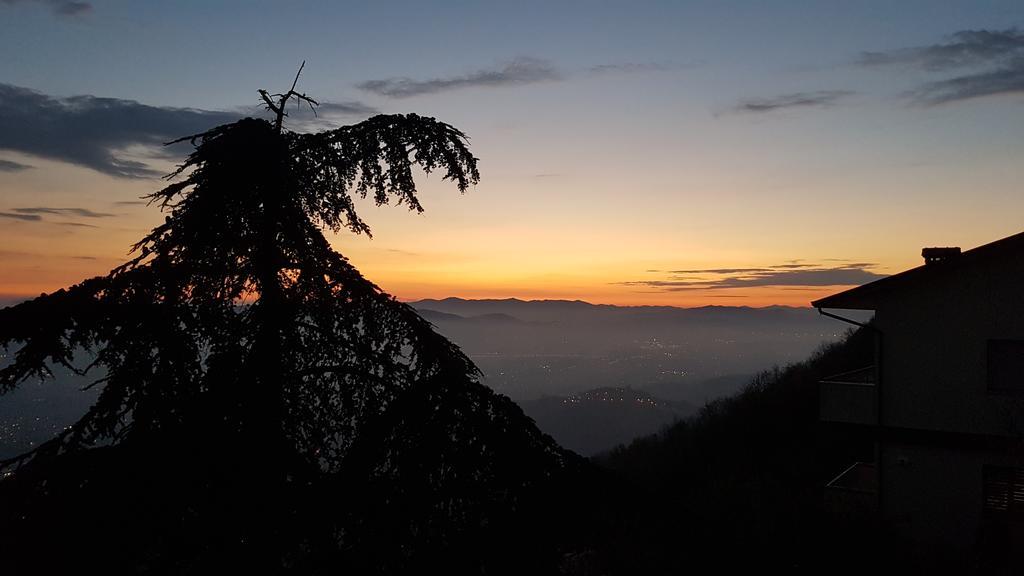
x,y
23,217
792,264
349,108
991,63
964,49
303,113
719,271
94,132
66,8
327,114
11,166
790,275
35,214
90,131
516,72
84,212
21,255
402,252
631,67
60,7
816,99
1006,80
76,224
131,203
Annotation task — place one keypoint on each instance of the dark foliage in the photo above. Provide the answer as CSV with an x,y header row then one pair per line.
x,y
747,474
265,406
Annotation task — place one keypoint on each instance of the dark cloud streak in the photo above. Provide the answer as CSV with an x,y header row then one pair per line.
x,y
90,131
991,61
816,99
349,108
59,7
75,224
83,212
22,217
93,132
517,72
964,49
1006,80
788,266
719,271
791,275
630,68
11,166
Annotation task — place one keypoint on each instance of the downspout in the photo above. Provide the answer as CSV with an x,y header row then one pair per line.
x,y
878,393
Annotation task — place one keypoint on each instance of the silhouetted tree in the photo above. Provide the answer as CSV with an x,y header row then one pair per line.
x,y
261,401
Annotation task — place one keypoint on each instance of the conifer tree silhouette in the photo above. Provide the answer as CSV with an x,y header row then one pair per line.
x,y
261,401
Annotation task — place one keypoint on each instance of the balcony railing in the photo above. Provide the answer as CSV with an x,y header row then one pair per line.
x,y
849,397
854,492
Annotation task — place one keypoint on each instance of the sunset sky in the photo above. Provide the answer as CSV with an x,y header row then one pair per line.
x,y
684,153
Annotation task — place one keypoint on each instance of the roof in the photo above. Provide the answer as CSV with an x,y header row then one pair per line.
x,y
870,296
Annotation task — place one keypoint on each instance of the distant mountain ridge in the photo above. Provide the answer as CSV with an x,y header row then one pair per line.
x,y
542,310
455,301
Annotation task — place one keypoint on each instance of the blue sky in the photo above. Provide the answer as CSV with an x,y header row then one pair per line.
x,y
614,137
209,53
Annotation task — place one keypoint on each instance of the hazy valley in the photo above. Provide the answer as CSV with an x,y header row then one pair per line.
x,y
594,376
562,361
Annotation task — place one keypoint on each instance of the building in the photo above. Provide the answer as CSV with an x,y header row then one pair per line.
x,y
943,401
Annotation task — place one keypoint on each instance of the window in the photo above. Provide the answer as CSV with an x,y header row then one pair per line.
x,y
1006,366
1004,490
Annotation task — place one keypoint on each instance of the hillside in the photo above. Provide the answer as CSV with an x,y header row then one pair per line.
x,y
598,420
749,469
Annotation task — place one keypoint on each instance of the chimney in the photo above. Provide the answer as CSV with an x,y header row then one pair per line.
x,y
934,256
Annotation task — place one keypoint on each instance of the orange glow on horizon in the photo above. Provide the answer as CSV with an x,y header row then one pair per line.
x,y
507,240
410,291
755,298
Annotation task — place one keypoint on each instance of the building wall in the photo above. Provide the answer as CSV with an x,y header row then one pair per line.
x,y
934,350
933,496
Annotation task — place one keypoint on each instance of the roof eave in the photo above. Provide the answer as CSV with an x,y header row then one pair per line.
x,y
848,300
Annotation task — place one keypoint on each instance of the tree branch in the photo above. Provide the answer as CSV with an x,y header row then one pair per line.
x,y
278,108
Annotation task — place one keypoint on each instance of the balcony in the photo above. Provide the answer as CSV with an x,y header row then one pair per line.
x,y
849,397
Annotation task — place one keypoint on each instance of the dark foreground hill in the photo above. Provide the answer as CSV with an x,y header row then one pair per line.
x,y
737,485
749,471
